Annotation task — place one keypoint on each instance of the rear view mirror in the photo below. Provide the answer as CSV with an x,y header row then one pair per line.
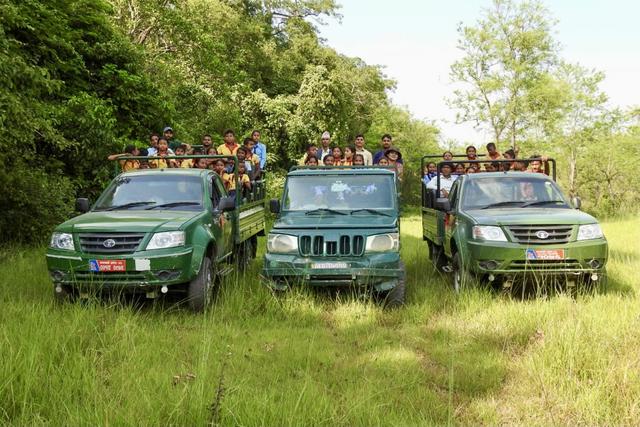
x,y
577,203
443,204
227,204
82,204
274,206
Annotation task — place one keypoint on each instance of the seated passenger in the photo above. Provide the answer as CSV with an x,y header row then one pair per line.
x,y
253,160
201,163
219,168
459,169
472,153
144,164
508,155
328,160
492,151
471,169
349,151
520,166
244,179
127,165
395,158
163,151
337,155
312,150
536,163
430,171
311,161
358,160
447,156
446,181
383,161
182,163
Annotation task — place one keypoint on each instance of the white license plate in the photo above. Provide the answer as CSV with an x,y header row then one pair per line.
x,y
329,265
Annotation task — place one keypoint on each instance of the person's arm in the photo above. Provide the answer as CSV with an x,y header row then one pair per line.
x,y
117,156
262,155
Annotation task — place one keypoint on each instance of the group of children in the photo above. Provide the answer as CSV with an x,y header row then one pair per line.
x,y
249,168
495,162
353,155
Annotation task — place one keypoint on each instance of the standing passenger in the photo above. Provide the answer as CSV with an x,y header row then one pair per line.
x,y
366,154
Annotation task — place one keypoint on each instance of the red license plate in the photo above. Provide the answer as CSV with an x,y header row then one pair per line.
x,y
108,265
545,254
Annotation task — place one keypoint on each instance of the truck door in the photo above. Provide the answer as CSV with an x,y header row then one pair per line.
x,y
450,219
222,224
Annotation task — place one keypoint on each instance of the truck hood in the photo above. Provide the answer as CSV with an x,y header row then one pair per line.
x,y
297,221
525,216
128,221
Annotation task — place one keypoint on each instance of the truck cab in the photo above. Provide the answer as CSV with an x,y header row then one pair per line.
x,y
153,232
507,227
337,226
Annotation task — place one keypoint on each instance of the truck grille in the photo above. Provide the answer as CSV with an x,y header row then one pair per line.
x,y
121,243
542,264
343,246
554,234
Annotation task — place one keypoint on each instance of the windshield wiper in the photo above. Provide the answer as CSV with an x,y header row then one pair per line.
x,y
127,206
327,210
173,204
542,202
505,203
373,211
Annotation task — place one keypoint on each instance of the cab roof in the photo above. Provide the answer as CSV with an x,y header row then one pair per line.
x,y
481,175
340,171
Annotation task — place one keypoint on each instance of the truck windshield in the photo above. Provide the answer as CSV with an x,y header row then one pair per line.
x,y
152,192
522,192
344,192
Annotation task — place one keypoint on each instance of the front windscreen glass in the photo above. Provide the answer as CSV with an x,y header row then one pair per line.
x,y
155,191
506,191
346,192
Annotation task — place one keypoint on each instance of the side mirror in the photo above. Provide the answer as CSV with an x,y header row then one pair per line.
x,y
82,205
443,204
274,206
227,204
577,203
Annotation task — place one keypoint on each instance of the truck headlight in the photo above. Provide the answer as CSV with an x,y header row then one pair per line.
x,y
488,232
282,243
590,231
383,243
62,241
166,239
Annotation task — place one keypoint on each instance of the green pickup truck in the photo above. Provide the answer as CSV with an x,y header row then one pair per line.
x,y
337,226
511,227
157,231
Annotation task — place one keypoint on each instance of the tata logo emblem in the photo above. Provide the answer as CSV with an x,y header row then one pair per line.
x,y
542,234
109,243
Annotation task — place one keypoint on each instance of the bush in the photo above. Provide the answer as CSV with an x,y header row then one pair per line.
x,y
35,202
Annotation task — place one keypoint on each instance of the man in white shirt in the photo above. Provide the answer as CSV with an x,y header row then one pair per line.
x,y
446,181
368,157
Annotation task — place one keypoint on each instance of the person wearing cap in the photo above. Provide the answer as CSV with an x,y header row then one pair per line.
x,y
395,160
366,154
386,144
446,180
230,146
325,146
168,134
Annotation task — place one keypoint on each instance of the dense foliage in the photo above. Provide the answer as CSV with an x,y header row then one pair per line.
x,y
82,78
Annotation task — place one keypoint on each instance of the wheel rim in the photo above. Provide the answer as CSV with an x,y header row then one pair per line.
x,y
457,278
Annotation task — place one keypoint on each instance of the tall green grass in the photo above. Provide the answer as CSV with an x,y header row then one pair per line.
x,y
323,359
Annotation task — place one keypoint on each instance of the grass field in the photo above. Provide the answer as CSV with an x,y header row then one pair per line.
x,y
314,359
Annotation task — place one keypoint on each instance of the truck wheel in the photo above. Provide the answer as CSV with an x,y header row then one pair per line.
x,y
438,258
244,255
200,288
461,276
395,297
254,243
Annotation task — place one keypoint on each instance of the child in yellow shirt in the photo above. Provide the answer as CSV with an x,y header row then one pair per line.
x,y
127,165
163,151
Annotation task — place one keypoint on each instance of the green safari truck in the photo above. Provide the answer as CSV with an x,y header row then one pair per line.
x,y
337,226
156,231
508,227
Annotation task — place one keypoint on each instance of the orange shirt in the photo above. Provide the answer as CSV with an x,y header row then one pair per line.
x,y
226,150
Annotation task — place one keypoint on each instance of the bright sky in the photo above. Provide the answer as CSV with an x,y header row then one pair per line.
x,y
415,42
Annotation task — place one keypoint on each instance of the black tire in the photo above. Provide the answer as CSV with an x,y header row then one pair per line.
x,y
460,275
396,296
254,242
438,257
200,290
244,255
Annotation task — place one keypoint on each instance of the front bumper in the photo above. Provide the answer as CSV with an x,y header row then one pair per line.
x,y
584,257
145,270
380,271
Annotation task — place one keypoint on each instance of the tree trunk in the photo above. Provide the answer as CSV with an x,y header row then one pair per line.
x,y
573,170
